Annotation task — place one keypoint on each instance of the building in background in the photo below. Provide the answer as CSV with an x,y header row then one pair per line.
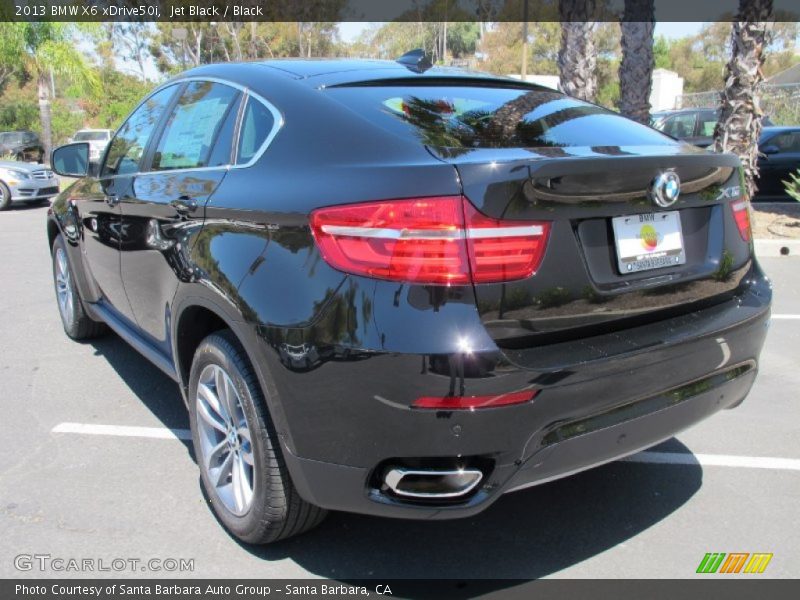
x,y
666,91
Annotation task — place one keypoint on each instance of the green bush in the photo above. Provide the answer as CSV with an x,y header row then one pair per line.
x,y
793,186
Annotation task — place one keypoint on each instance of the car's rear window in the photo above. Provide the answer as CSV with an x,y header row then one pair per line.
x,y
458,116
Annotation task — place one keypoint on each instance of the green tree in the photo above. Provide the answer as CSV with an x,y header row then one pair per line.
x,y
46,50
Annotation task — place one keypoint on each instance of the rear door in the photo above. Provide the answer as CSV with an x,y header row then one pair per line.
x,y
190,157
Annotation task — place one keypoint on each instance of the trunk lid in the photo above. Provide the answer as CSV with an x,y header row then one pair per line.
x,y
579,289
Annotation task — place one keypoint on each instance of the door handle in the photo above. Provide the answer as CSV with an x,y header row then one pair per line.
x,y
112,200
184,204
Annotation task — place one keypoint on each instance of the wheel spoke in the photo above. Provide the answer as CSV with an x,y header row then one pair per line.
x,y
241,484
208,408
222,393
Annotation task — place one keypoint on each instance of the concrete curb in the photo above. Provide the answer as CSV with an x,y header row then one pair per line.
x,y
771,248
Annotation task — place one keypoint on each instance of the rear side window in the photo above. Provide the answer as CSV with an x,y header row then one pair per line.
x,y
708,122
257,125
126,149
202,112
786,142
466,117
679,126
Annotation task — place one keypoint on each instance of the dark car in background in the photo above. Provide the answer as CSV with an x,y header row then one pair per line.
x,y
692,125
404,291
24,146
779,157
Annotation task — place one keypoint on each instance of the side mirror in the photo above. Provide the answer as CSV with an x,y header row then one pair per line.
x,y
770,149
71,160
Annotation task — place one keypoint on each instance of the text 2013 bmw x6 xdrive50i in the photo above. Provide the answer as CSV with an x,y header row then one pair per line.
x,y
404,291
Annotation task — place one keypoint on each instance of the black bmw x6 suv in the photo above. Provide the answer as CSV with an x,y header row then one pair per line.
x,y
403,291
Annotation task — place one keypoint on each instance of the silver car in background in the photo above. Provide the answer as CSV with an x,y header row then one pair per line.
x,y
96,138
25,182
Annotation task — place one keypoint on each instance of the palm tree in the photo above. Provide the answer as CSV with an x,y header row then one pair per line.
x,y
577,59
636,66
49,49
739,126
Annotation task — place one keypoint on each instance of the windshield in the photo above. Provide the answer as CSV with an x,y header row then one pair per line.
x,y
10,138
468,117
91,136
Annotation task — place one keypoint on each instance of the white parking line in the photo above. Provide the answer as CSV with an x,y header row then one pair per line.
x,y
786,316
657,458
124,431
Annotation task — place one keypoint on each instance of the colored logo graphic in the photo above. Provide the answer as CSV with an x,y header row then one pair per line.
x,y
735,562
649,237
666,189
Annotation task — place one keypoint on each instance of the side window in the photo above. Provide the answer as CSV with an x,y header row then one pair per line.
x,y
257,124
707,124
203,112
680,126
786,142
126,149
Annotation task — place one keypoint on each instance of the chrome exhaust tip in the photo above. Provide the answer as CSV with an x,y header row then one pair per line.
x,y
432,484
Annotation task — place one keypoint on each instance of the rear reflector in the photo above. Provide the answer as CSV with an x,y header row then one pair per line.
x,y
741,213
473,402
441,240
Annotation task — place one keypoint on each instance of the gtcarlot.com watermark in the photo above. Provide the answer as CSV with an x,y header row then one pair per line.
x,y
46,563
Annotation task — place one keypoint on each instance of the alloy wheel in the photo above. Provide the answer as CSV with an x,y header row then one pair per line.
x,y
64,292
225,440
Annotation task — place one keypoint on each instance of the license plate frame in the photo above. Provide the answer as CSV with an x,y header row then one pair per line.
x,y
648,241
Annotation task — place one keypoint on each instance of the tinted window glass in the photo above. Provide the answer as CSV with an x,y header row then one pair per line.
x,y
127,147
193,126
708,121
786,142
679,126
90,136
223,146
256,126
491,117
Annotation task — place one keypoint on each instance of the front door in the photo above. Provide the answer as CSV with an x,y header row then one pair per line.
x,y
101,215
165,208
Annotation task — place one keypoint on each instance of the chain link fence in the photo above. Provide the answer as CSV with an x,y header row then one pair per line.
x,y
781,103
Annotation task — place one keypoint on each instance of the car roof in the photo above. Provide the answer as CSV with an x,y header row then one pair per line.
x,y
677,111
779,129
324,72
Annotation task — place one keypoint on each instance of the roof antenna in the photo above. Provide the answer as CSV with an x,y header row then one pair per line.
x,y
416,61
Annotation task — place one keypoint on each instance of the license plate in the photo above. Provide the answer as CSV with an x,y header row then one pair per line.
x,y
649,241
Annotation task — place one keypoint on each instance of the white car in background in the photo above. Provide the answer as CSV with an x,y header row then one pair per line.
x,y
97,138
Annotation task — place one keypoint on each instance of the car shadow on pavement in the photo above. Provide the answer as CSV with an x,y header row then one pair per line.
x,y
155,390
523,536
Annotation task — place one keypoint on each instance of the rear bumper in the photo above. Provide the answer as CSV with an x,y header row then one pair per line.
x,y
598,399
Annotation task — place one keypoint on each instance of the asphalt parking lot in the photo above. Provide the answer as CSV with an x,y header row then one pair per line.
x,y
734,485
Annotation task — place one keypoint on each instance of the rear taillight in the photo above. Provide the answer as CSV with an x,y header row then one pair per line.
x,y
741,214
441,240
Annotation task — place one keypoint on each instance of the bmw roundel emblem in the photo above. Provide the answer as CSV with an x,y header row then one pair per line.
x,y
666,189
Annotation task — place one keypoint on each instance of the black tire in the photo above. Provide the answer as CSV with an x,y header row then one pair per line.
x,y
76,322
5,196
276,510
